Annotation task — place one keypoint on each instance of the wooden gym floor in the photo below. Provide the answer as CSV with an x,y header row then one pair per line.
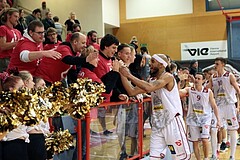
x,y
107,147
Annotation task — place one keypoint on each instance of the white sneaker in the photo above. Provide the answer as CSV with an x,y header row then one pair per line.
x,y
231,158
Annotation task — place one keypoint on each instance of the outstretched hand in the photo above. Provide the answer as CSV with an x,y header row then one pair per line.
x,y
53,54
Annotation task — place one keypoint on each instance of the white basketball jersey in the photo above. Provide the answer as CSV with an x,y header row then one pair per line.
x,y
224,92
166,105
199,108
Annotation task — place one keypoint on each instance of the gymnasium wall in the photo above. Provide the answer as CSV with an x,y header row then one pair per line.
x,y
93,14
166,33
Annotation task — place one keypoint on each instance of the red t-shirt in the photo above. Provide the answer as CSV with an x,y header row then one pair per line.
x,y
69,35
96,46
86,73
11,35
51,46
104,66
25,44
54,70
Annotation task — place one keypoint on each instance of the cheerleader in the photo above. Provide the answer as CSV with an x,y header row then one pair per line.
x,y
36,148
17,139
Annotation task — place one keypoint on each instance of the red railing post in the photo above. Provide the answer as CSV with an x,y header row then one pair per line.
x,y
88,121
140,129
79,139
50,124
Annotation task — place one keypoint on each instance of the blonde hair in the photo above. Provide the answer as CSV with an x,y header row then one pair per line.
x,y
87,51
25,75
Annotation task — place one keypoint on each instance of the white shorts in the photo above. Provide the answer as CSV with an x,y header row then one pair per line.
x,y
196,133
228,115
173,136
214,122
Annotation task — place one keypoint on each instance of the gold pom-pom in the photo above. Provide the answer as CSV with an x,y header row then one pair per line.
x,y
58,142
22,106
83,95
56,97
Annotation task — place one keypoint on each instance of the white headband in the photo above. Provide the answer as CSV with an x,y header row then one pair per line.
x,y
160,60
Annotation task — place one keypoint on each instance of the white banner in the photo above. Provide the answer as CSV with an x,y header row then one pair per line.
x,y
204,50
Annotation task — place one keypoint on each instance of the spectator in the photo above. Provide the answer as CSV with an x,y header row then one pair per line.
x,y
193,68
44,10
22,25
58,27
108,47
145,65
3,6
36,15
134,43
55,70
8,36
76,28
92,39
69,23
47,21
53,41
135,67
28,51
126,124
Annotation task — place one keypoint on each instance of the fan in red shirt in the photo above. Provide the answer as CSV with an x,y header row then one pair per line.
x,y
29,50
55,70
92,39
108,47
76,28
8,36
53,41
